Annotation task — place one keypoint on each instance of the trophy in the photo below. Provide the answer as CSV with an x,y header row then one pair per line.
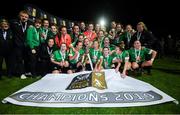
x,y
34,12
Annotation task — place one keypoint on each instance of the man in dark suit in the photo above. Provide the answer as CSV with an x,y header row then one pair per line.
x,y
5,46
19,33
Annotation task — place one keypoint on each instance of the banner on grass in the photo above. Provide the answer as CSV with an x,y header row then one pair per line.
x,y
88,89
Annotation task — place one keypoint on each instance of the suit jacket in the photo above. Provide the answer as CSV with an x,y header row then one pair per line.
x,y
18,34
6,45
43,53
147,39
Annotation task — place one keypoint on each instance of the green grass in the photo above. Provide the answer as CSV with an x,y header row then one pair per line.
x,y
166,77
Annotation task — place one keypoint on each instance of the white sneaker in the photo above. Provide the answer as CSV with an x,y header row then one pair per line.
x,y
28,74
23,76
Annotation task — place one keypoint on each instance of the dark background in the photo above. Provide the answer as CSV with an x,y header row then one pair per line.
x,y
161,17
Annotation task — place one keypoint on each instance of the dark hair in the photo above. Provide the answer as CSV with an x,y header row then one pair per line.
x,y
90,23
101,31
63,43
78,42
106,37
80,35
120,47
59,31
106,47
75,25
63,27
50,38
45,19
53,24
95,41
38,20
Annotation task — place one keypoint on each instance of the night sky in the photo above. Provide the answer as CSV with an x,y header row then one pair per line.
x,y
161,18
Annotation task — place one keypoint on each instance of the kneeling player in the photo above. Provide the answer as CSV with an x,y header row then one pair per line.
x,y
121,58
137,56
60,60
75,57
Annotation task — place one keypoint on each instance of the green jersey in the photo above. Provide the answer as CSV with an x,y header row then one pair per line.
x,y
59,56
94,54
33,37
107,61
124,56
75,38
100,41
44,31
117,40
139,55
50,34
126,36
79,56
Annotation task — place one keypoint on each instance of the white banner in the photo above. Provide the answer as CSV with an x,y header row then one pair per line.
x,y
51,91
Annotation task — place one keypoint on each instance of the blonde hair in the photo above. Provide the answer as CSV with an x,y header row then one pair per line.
x,y
23,12
2,21
143,25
